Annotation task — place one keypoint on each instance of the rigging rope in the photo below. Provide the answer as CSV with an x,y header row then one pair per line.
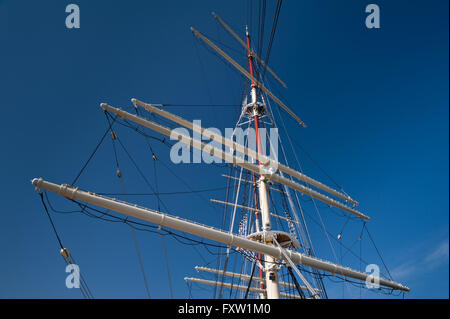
x,y
141,264
250,281
297,286
165,193
224,214
378,252
67,256
133,235
159,202
95,150
272,35
167,266
262,19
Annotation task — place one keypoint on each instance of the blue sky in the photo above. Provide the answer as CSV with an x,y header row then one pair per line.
x,y
375,101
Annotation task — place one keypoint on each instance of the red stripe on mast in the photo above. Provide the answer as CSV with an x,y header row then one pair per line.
x,y
255,117
250,61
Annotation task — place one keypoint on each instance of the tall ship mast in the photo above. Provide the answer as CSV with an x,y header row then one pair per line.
x,y
267,224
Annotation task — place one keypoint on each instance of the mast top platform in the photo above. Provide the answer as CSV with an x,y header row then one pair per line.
x,y
284,239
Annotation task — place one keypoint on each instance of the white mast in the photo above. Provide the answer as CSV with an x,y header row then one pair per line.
x,y
270,265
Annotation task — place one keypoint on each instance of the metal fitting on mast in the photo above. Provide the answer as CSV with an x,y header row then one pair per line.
x,y
255,109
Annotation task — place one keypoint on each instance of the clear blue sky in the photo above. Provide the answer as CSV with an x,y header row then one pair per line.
x,y
375,101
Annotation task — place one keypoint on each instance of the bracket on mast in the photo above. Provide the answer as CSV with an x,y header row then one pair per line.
x,y
293,266
256,108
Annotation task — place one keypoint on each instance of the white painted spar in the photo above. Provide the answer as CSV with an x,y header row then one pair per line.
x,y
208,232
234,286
244,277
233,159
267,161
